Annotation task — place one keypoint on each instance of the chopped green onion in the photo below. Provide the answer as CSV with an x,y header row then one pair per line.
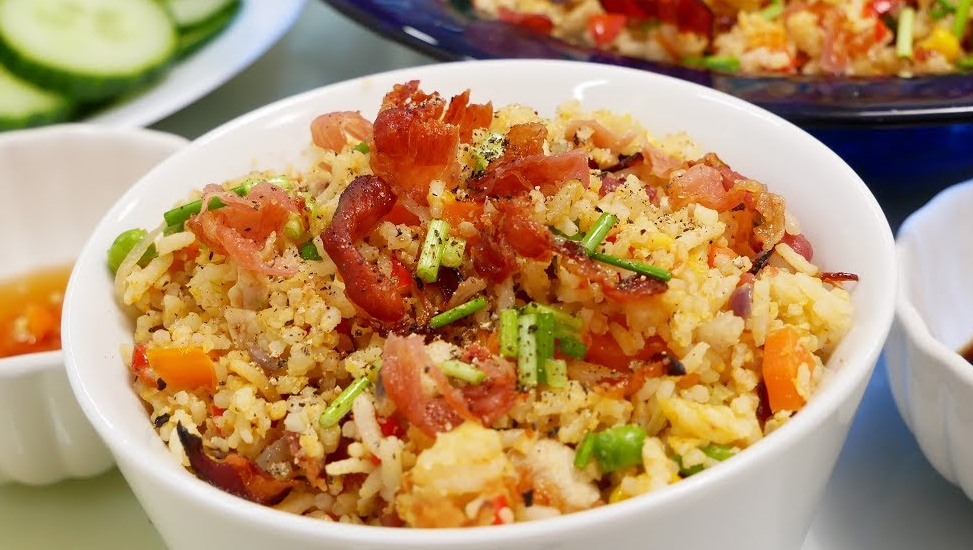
x,y
572,347
965,62
294,227
527,371
309,252
691,471
432,251
556,373
903,35
641,268
462,371
576,237
941,9
453,250
773,10
582,455
123,244
176,217
961,18
508,332
342,404
458,312
281,181
718,452
362,148
725,63
561,317
598,231
619,447
487,151
545,337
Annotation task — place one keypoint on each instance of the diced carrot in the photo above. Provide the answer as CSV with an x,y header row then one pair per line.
x,y
783,356
185,368
605,27
499,503
401,215
456,212
715,251
688,380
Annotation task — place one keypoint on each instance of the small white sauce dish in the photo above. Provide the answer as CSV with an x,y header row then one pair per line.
x,y
931,382
57,182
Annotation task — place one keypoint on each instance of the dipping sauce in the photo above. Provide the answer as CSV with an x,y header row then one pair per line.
x,y
967,352
30,311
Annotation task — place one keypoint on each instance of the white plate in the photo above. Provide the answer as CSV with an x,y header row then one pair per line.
x,y
255,28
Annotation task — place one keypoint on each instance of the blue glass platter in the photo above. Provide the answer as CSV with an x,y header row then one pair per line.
x,y
453,30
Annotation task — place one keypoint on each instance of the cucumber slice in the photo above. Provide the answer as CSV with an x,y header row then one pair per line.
x,y
191,39
87,49
191,13
23,104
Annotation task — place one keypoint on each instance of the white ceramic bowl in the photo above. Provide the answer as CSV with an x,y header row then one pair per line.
x,y
933,384
56,184
764,498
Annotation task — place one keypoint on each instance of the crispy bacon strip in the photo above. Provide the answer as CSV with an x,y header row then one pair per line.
x,y
492,398
509,233
241,228
632,288
544,171
467,116
403,361
234,474
361,207
688,15
332,130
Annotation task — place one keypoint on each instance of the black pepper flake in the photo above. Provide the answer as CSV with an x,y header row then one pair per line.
x,y
674,367
528,497
760,261
161,419
160,384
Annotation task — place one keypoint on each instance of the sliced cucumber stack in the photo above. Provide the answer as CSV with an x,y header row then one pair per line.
x,y
89,50
200,20
23,104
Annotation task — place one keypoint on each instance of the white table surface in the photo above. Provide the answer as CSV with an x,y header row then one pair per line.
x,y
883,495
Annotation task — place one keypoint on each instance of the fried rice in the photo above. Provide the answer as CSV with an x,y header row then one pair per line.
x,y
778,37
297,344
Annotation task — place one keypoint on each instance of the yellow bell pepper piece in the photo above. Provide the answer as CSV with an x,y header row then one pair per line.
x,y
944,42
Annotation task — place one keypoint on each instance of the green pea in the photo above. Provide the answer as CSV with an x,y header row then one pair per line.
x,y
124,243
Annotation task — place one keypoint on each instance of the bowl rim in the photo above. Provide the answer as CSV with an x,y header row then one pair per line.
x,y
46,136
912,321
825,403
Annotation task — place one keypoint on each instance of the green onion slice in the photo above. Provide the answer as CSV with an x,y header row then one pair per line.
x,y
309,252
961,18
458,312
462,371
508,332
641,268
453,250
527,371
582,455
572,347
903,35
432,251
562,317
342,404
556,373
598,231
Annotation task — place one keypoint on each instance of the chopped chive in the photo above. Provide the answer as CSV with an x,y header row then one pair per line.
x,y
309,252
903,35
576,237
561,317
598,231
363,148
572,347
508,332
961,18
641,268
176,217
462,371
342,404
527,374
965,62
582,455
458,312
556,373
545,338
775,8
941,9
718,452
453,250
294,227
725,63
432,251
